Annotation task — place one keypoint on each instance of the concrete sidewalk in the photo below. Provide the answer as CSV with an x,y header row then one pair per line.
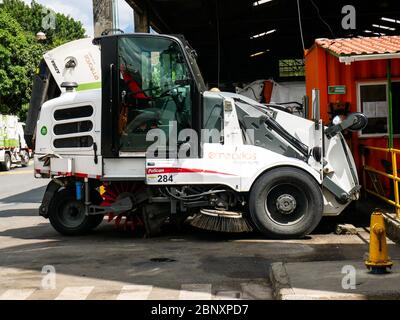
x,y
322,280
392,227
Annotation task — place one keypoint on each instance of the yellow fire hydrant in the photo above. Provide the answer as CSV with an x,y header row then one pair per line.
x,y
378,260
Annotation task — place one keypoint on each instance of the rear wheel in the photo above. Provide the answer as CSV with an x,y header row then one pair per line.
x,y
6,164
67,215
286,203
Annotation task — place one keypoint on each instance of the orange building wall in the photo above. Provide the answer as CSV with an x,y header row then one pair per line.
x,y
324,69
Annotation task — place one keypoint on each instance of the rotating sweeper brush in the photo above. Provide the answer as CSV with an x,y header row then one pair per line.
x,y
111,193
221,221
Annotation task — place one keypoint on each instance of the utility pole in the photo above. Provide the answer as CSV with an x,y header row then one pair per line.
x,y
103,17
140,16
142,23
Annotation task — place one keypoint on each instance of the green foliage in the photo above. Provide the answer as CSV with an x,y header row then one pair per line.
x,y
23,112
20,52
31,19
17,63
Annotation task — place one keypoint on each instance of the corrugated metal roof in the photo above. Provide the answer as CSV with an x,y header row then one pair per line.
x,y
362,45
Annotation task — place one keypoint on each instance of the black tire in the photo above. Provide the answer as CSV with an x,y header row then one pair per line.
x,y
67,215
24,159
6,165
273,210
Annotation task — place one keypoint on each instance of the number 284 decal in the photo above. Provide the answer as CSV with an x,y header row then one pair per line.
x,y
165,178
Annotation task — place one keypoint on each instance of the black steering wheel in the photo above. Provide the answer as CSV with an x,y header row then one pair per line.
x,y
149,117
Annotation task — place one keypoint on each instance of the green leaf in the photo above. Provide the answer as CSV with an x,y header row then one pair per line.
x,y
21,53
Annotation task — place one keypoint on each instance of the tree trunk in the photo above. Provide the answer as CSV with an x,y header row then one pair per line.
x,y
102,16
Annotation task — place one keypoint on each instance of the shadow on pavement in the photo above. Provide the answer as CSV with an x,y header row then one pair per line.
x,y
37,232
31,196
185,256
164,261
19,213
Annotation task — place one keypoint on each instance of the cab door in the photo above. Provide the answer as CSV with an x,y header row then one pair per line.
x,y
151,84
148,85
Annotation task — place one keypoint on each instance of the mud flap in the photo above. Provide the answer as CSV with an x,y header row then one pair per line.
x,y
51,189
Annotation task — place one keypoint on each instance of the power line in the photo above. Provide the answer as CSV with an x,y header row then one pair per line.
x,y
322,19
301,28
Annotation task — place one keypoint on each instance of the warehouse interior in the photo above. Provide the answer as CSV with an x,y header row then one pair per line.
x,y
240,41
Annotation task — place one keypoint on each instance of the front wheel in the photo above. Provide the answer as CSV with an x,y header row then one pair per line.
x,y
67,215
286,203
6,164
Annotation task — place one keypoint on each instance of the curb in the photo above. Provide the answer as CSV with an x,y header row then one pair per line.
x,y
392,227
282,290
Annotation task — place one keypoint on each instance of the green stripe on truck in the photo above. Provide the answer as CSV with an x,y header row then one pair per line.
x,y
89,86
9,143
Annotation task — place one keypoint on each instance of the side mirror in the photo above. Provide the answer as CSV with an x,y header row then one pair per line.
x,y
360,121
354,122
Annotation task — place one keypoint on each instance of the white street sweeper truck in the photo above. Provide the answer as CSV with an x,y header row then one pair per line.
x,y
126,128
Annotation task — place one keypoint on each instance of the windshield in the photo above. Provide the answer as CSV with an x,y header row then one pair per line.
x,y
155,63
155,89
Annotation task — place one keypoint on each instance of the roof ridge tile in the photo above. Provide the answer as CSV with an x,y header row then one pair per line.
x,y
361,45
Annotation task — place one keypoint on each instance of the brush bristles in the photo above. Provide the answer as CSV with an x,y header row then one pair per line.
x,y
221,224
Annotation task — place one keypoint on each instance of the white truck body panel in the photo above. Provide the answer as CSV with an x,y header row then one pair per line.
x,y
87,72
83,157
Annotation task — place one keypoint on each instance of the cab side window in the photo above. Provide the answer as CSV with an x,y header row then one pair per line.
x,y
155,90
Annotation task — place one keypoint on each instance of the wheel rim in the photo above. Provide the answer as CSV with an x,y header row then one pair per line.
x,y
286,204
72,214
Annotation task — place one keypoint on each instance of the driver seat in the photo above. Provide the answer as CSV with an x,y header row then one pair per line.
x,y
132,84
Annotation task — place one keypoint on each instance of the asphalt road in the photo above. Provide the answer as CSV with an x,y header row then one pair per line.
x,y
113,264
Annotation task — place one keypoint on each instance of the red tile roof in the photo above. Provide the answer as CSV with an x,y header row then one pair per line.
x,y
362,45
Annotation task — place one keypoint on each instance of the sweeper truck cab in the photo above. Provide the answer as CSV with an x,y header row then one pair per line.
x,y
129,130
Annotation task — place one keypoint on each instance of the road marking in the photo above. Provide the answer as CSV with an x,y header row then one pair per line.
x,y
256,291
195,292
135,292
17,294
75,293
228,295
159,293
249,291
8,173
